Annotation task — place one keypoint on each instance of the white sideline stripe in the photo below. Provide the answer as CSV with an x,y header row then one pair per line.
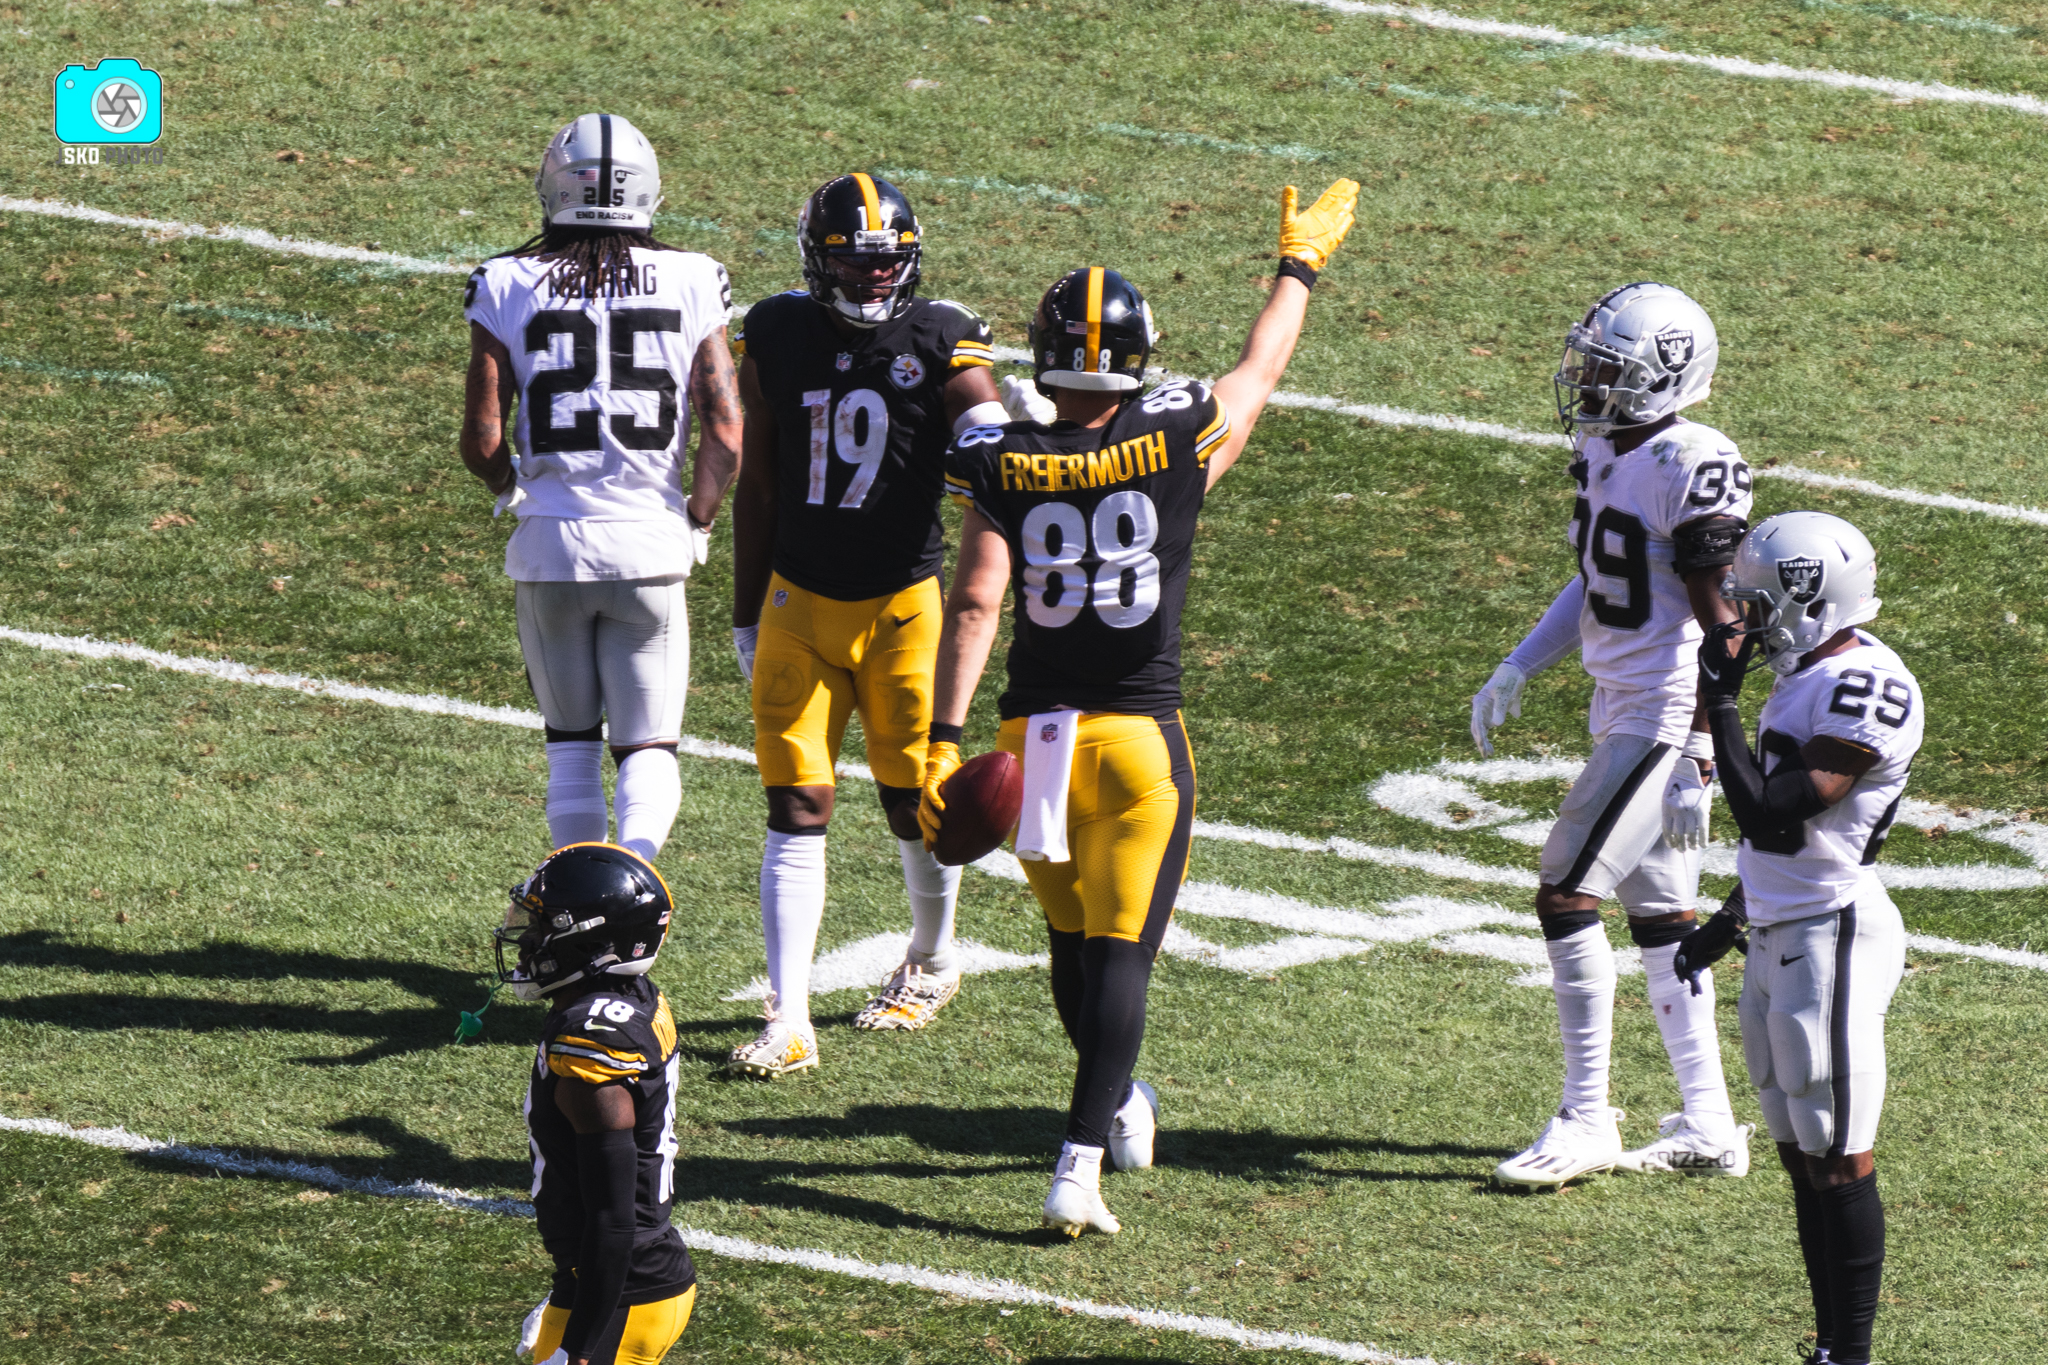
x,y
958,1284
1377,413
1727,66
1986,952
866,963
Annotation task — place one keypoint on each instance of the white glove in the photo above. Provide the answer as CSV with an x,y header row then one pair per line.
x,y
1495,702
743,638
1024,403
1687,799
700,535
529,1331
509,499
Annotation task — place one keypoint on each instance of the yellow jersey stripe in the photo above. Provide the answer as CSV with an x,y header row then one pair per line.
x,y
952,482
960,360
584,1047
1216,430
664,1025
970,344
870,199
1094,315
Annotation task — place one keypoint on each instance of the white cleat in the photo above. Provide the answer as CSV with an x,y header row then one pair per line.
x,y
1570,1145
1075,1204
1684,1147
1132,1130
910,999
778,1050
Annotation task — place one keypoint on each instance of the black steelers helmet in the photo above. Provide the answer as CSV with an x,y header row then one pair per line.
x,y
1093,330
861,248
588,910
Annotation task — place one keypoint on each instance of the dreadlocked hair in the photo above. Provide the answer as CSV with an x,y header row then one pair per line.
x,y
588,261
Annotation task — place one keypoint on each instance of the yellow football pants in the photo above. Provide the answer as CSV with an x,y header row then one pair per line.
x,y
1130,814
817,660
651,1328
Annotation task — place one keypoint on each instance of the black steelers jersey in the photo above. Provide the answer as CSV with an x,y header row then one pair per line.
x,y
1100,522
622,1032
862,429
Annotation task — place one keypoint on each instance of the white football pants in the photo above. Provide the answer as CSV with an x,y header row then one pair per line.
x,y
617,651
1609,837
1815,992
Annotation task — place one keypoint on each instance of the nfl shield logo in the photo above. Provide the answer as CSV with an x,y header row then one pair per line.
x,y
843,362
1674,350
781,597
1048,733
1801,578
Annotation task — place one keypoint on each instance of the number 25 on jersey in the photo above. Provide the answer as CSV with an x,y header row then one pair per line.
x,y
583,328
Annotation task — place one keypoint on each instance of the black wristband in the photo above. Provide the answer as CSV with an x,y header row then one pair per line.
x,y
945,734
1294,269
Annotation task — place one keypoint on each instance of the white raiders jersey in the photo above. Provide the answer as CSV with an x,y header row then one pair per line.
x,y
1636,630
1866,697
603,382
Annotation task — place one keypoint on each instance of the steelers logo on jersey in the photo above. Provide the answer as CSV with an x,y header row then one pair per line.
x,y
906,372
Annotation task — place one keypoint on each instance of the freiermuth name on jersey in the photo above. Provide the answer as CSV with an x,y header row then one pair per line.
x,y
1100,523
861,439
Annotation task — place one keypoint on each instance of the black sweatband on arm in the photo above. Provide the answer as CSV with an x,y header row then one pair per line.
x,y
1706,543
1766,809
945,734
607,1168
1292,269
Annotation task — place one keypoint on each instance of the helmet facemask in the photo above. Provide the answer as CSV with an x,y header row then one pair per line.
x,y
865,284
1599,388
536,970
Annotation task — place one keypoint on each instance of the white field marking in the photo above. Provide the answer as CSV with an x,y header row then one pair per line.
x,y
1960,23
866,963
976,182
1437,864
264,241
301,322
1259,959
951,1283
1727,66
139,378
1429,798
1290,151
1377,413
1530,953
1987,952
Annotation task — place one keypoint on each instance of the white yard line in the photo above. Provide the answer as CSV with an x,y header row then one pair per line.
x,y
1727,66
952,1283
1376,413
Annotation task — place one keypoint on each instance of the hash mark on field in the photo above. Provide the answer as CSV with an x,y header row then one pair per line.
x,y
1727,66
298,322
1372,412
139,379
1290,150
949,1283
975,182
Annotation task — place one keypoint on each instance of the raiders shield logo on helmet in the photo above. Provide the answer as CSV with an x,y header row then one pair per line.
x,y
1674,350
1801,578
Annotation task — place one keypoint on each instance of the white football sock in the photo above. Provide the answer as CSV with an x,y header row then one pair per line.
x,y
792,908
934,892
1690,1037
1582,977
1083,1165
648,793
576,810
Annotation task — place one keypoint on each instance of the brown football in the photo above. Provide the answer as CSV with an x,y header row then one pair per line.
x,y
984,797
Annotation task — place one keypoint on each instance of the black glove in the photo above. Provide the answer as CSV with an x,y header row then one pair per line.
x,y
1708,944
1721,676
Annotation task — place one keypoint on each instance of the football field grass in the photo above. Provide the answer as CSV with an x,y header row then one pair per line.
x,y
247,919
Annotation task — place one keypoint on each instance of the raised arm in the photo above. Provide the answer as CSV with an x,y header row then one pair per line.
x,y
715,394
486,407
1306,241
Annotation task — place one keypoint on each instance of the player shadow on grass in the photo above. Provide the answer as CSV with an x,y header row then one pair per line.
x,y
1034,1132
407,1157
394,1031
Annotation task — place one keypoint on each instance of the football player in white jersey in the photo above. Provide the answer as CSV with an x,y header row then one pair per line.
x,y
1814,802
593,329
1663,503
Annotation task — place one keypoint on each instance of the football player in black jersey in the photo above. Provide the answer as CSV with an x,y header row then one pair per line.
x,y
1090,521
852,388
600,1107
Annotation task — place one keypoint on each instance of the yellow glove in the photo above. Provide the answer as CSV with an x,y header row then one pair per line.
x,y
941,761
1311,237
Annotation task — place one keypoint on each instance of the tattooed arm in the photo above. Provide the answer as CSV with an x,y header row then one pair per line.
x,y
486,406
715,393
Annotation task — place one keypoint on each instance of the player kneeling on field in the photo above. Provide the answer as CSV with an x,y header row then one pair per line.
x,y
1814,801
1090,518
584,929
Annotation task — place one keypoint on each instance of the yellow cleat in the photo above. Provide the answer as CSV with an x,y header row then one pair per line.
x,y
910,1000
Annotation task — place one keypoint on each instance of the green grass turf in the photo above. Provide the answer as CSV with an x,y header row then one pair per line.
x,y
283,491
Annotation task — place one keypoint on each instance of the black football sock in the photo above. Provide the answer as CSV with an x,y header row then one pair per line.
x,y
1109,1030
1813,1248
1067,980
1853,1217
